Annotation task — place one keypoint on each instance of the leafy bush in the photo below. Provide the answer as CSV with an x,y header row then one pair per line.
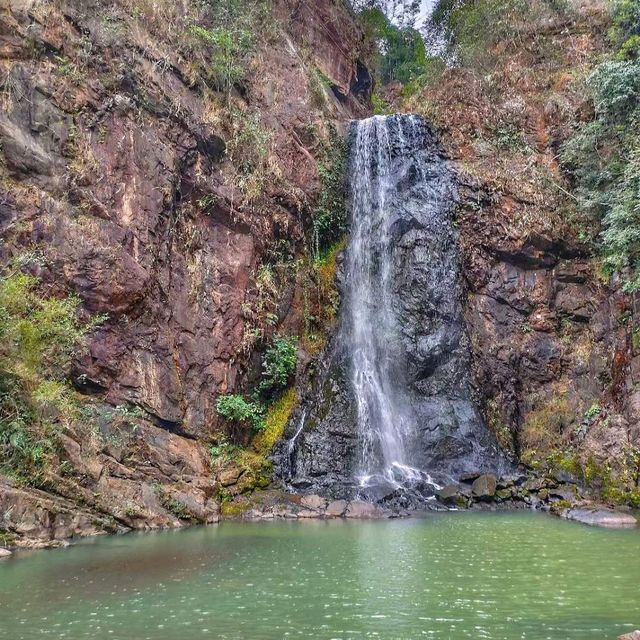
x,y
625,32
235,408
232,40
230,48
39,336
279,364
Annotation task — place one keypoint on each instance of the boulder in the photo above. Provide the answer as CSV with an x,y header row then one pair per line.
x,y
336,509
564,492
363,511
449,494
634,635
601,517
484,487
316,503
230,476
468,478
5,553
504,494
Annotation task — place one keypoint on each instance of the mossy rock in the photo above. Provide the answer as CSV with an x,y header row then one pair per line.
x,y
276,420
233,509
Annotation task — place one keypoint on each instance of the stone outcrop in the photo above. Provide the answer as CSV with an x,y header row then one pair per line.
x,y
132,200
277,505
554,354
601,517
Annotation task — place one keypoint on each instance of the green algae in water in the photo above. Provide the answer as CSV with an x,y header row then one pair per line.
x,y
502,577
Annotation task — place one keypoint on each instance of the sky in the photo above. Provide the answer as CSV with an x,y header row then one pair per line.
x,y
425,10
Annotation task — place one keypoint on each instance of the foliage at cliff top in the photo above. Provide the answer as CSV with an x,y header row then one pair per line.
x,y
399,52
604,154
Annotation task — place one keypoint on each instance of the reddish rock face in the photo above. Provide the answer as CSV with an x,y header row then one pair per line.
x,y
115,174
132,200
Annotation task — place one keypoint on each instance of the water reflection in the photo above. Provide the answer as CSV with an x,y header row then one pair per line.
x,y
467,576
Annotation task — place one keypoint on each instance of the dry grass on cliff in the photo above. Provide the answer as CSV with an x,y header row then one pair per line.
x,y
505,112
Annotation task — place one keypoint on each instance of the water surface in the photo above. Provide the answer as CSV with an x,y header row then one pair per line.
x,y
502,577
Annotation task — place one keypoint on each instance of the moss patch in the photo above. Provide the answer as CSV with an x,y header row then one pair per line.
x,y
276,420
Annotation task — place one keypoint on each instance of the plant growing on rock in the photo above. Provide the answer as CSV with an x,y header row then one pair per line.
x,y
235,408
604,154
249,148
39,337
329,221
278,364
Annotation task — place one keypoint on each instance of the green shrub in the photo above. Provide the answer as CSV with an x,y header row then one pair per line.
x,y
249,149
279,364
230,49
625,31
236,409
232,39
593,411
38,334
39,337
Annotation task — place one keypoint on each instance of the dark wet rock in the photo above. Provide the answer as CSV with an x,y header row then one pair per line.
x,y
544,494
600,517
504,494
431,352
469,478
563,477
564,492
449,494
484,487
532,500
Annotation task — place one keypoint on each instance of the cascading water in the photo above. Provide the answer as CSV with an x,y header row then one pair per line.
x,y
392,407
371,332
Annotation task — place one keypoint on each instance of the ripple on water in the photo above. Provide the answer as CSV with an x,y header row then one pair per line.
x,y
501,577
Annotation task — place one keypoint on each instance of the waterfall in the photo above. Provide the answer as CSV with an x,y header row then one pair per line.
x,y
371,336
391,413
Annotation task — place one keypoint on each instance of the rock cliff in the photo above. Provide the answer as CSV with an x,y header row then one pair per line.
x,y
552,335
133,180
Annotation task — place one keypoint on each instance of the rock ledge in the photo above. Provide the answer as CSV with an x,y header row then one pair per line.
x,y
601,517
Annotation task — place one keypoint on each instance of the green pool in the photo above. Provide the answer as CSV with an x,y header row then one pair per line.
x,y
497,576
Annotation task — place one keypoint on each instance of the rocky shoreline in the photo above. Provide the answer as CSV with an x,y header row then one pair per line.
x,y
557,494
